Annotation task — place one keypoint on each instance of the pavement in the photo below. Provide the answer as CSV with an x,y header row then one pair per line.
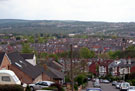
x,y
104,87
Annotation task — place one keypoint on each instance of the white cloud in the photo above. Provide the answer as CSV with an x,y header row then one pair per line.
x,y
90,10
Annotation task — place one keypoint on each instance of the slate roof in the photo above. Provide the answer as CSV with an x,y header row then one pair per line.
x,y
53,64
55,73
27,55
106,62
18,61
114,64
1,56
124,63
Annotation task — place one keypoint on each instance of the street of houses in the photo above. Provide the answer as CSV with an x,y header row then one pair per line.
x,y
98,45
119,67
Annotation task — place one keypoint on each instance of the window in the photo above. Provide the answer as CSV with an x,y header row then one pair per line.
x,y
45,84
5,78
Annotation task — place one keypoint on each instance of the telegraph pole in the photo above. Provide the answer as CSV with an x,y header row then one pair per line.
x,y
71,69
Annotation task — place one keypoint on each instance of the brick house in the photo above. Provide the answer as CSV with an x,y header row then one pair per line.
x,y
132,68
26,72
114,68
4,61
54,70
93,67
104,67
124,67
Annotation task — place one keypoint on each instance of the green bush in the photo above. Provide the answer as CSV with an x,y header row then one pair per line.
x,y
62,89
76,87
27,88
50,88
67,79
130,81
81,79
133,82
55,87
11,88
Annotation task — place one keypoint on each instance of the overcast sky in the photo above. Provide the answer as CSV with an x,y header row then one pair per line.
x,y
84,10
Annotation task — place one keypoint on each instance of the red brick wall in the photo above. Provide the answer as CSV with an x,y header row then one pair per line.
x,y
5,63
92,68
22,76
45,77
132,70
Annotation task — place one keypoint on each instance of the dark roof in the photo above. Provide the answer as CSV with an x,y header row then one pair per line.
x,y
122,65
1,56
27,55
18,61
55,73
106,62
53,64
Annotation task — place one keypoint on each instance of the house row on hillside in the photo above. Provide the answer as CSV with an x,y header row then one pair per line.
x,y
119,67
98,45
25,67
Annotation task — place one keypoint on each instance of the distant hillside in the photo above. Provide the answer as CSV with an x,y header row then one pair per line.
x,y
64,27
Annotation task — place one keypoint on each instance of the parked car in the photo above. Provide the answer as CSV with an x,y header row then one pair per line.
x,y
131,88
89,79
114,83
118,85
101,80
8,77
94,89
40,85
106,81
96,84
124,86
93,79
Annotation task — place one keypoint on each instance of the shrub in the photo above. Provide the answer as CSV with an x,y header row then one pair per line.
x,y
130,82
50,88
133,82
76,87
28,88
67,79
80,79
11,88
58,86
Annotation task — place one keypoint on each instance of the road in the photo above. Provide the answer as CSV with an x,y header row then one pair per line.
x,y
104,87
108,87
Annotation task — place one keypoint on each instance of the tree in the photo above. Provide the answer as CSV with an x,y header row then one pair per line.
x,y
53,56
80,79
114,55
43,55
26,48
41,39
132,47
86,53
104,56
31,39
127,54
63,54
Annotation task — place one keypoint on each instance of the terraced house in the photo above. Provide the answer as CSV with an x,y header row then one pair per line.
x,y
27,70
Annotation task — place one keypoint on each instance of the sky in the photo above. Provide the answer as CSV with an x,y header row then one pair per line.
x,y
83,10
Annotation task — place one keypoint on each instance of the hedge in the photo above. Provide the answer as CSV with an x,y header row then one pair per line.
x,y
11,88
50,88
